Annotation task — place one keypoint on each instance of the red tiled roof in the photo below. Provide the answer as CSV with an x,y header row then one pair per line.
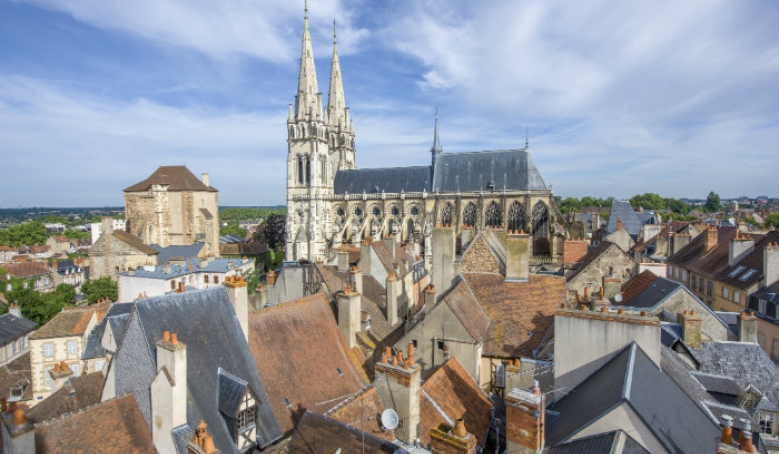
x,y
135,242
299,350
636,285
752,261
355,412
17,373
71,322
318,434
178,178
117,423
449,394
521,312
80,392
466,308
26,270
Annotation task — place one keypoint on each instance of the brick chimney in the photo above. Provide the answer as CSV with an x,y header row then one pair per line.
x,y
202,442
747,327
397,383
525,420
60,374
691,323
430,296
452,440
342,261
711,239
739,246
394,295
619,224
169,391
238,292
517,257
770,264
355,277
349,309
18,433
574,251
443,248
270,278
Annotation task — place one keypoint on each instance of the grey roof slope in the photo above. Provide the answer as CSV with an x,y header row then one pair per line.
x,y
608,443
392,180
474,171
654,293
188,251
634,379
94,349
631,220
205,322
12,327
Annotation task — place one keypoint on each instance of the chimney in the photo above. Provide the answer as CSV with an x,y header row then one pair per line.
x,y
611,287
711,239
727,429
17,432
389,241
393,298
355,277
525,420
770,264
349,310
430,297
107,225
739,247
270,278
343,261
595,221
169,391
365,257
204,179
691,323
443,244
59,375
15,310
237,291
397,381
745,436
262,296
202,442
747,327
619,225
679,241
517,257
452,440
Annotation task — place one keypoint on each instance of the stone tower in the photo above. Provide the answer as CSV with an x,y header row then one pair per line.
x,y
320,143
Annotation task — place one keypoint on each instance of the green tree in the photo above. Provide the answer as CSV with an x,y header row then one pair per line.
x,y
273,259
272,232
772,221
77,234
29,233
712,202
100,288
677,206
232,229
648,201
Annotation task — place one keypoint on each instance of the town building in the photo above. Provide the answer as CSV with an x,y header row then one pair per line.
x,y
117,251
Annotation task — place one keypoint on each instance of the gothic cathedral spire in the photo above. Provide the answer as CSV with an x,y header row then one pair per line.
x,y
308,100
336,104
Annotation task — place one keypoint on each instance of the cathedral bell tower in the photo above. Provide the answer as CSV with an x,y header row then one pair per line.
x,y
320,142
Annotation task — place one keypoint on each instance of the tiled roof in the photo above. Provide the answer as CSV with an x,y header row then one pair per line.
x,y
392,180
473,171
189,251
696,259
79,392
654,293
116,422
316,434
476,260
631,220
591,256
742,277
177,178
26,270
353,411
302,357
17,373
12,327
637,285
662,406
616,442
213,266
522,313
448,394
134,242
466,308
94,348
66,323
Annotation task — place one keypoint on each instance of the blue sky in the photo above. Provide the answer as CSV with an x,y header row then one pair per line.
x,y
619,98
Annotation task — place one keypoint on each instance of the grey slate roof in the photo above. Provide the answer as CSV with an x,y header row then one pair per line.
x,y
654,293
744,362
189,251
466,172
631,220
13,327
214,266
205,322
94,349
607,443
633,379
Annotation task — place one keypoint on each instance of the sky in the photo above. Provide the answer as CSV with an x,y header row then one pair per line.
x,y
616,98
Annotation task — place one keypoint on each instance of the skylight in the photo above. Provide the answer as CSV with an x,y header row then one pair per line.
x,y
738,269
747,275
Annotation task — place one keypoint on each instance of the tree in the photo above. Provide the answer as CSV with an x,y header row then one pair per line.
x,y
232,229
273,232
100,288
29,233
712,202
677,206
648,201
772,221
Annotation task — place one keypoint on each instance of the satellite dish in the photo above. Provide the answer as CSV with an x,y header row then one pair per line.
x,y
389,419
618,297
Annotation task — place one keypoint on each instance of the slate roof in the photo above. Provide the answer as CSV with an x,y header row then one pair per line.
x,y
744,362
448,394
94,348
633,379
302,356
17,374
78,393
26,270
213,266
630,220
391,180
189,251
466,308
637,285
177,178
616,442
316,434
116,424
72,322
205,322
654,293
521,313
13,327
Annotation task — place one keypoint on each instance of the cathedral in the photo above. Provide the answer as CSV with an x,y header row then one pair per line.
x,y
331,202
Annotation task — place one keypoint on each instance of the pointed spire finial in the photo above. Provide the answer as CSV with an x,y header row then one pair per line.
x,y
527,140
436,140
335,41
305,8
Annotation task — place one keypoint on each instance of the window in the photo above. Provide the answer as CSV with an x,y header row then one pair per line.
x,y
75,369
725,292
737,297
247,418
205,279
99,364
493,216
173,285
469,214
710,288
72,348
766,422
48,350
747,275
441,345
216,279
775,351
684,275
47,376
735,271
761,306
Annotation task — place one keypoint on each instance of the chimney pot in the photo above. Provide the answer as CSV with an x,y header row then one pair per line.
x,y
621,311
727,429
166,336
174,338
459,428
19,418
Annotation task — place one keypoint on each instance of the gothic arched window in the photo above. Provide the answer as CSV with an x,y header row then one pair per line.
x,y
540,220
469,215
493,217
446,214
308,171
300,170
516,218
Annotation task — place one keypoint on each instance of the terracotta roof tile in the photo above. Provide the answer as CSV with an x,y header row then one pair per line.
x,y
81,392
117,423
449,394
317,434
25,270
17,373
362,411
178,178
516,309
466,308
134,241
67,323
299,351
752,261
636,285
